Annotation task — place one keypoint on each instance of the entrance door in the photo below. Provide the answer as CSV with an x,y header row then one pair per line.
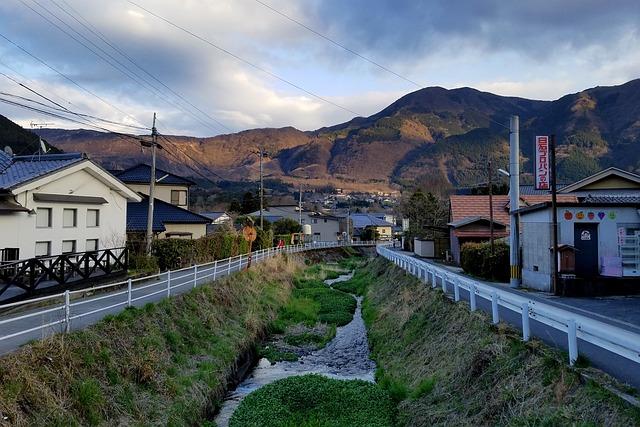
x,y
585,239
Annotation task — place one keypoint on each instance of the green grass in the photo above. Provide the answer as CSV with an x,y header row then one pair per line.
x,y
333,307
274,355
447,366
357,284
313,401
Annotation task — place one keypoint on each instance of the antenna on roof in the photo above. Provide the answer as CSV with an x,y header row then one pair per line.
x,y
40,125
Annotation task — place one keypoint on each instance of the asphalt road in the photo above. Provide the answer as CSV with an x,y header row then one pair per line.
x,y
620,367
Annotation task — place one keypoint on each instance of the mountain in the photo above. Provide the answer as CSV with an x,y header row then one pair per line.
x,y
434,136
18,139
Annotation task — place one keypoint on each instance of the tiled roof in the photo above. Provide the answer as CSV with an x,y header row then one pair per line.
x,y
368,220
612,199
163,213
474,206
18,170
530,190
141,174
213,215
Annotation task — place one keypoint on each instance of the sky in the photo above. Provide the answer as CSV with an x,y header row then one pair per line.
x,y
245,65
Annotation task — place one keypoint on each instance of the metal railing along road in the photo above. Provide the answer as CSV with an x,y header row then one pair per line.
x,y
606,336
77,309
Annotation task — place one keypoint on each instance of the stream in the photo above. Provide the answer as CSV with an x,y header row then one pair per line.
x,y
345,357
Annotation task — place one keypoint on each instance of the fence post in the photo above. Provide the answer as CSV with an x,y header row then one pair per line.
x,y
456,290
67,311
472,297
526,330
573,342
494,308
240,263
195,275
229,266
168,283
215,269
129,292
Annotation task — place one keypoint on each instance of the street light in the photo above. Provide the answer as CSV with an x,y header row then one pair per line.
x,y
504,172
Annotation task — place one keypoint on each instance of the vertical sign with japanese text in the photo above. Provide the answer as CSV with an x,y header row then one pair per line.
x,y
542,163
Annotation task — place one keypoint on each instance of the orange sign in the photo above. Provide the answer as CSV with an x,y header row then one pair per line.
x,y
249,233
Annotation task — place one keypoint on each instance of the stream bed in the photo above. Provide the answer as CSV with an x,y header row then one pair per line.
x,y
345,357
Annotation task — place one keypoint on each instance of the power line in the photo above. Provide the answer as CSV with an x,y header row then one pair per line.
x,y
245,61
197,162
338,44
92,29
67,77
120,67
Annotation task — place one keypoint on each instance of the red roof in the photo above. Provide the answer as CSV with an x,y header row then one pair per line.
x,y
478,206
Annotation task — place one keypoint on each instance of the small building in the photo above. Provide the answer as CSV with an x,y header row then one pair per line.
x,y
52,204
324,228
599,246
363,221
169,221
217,219
169,188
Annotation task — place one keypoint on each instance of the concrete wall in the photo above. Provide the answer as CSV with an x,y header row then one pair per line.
x,y
18,230
196,230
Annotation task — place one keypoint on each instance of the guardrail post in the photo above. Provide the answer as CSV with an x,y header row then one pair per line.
x,y
168,283
573,342
494,308
240,263
195,275
67,311
229,266
526,330
472,297
215,269
456,290
434,282
129,292
444,283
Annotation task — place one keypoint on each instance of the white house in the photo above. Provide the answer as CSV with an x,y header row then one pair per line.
x,y
324,228
59,203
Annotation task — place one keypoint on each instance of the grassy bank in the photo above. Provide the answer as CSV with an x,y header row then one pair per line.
x,y
166,363
447,366
310,318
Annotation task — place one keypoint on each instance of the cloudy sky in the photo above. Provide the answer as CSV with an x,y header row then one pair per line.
x,y
120,63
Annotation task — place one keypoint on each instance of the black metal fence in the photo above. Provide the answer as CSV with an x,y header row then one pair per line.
x,y
31,276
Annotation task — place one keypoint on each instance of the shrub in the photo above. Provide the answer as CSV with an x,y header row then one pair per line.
x,y
476,259
142,263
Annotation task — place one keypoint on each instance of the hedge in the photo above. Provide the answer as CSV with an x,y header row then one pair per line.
x,y
476,259
178,253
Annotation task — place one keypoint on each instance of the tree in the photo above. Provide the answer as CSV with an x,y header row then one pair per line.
x,y
370,233
250,203
424,212
235,206
286,226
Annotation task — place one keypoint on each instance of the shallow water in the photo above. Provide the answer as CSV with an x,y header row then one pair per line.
x,y
344,357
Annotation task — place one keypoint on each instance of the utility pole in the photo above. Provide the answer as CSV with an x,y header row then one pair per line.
x,y
300,207
152,185
261,154
554,215
514,199
490,207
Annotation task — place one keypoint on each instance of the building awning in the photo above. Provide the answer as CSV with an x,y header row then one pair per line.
x,y
8,205
69,198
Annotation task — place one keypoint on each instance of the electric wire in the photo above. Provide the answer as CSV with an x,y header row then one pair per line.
x,y
245,61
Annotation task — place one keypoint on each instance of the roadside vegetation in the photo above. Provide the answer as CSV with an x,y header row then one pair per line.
x,y
165,363
310,318
444,365
314,400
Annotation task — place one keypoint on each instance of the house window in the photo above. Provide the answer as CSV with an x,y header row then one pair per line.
x,y
43,218
179,197
91,245
314,221
93,217
10,254
68,246
43,248
325,221
69,218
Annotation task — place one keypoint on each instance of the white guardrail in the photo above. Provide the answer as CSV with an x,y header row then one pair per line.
x,y
608,337
59,317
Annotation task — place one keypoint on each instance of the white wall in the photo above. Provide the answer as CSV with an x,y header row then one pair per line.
x,y
328,230
18,230
161,192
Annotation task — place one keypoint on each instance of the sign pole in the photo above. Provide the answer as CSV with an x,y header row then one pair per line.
x,y
554,213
